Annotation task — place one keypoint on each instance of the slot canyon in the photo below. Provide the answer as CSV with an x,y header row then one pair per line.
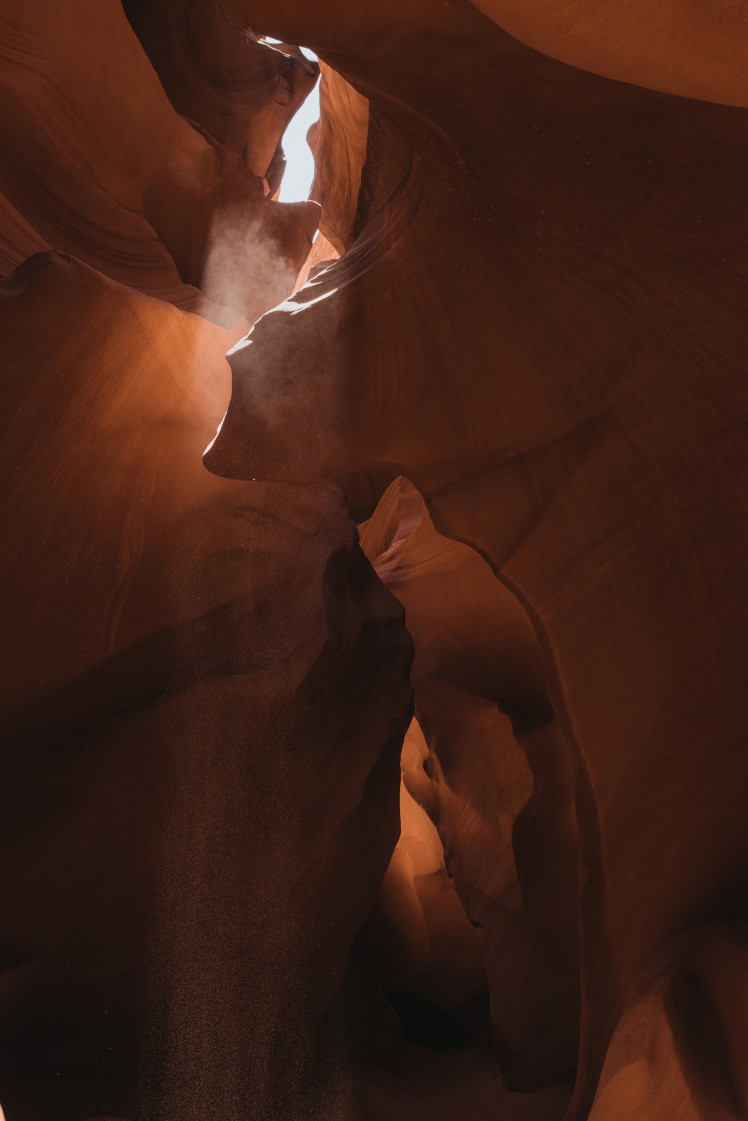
x,y
375,565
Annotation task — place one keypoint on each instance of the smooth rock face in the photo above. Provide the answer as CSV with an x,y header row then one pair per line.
x,y
182,813
99,164
548,281
681,1047
430,948
495,777
537,317
696,50
241,91
339,141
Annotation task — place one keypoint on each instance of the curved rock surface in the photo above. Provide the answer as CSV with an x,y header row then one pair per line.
x,y
99,165
548,276
697,50
429,946
338,141
495,777
186,668
680,1047
538,320
240,90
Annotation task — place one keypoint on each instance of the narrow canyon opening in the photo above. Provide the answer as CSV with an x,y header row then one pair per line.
x,y
385,761
298,175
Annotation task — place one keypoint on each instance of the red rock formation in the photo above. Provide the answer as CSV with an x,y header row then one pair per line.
x,y
680,1047
495,778
98,164
697,50
537,320
429,947
240,90
338,141
548,278
186,666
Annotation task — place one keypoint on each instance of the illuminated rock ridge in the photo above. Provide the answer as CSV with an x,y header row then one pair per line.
x,y
382,755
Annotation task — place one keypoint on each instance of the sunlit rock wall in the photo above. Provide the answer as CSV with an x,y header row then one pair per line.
x,y
536,324
99,164
186,661
186,664
495,777
548,276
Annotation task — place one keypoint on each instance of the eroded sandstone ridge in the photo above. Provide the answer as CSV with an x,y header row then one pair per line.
x,y
523,374
99,164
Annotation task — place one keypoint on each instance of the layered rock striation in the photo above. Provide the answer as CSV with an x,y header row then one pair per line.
x,y
525,372
548,271
187,662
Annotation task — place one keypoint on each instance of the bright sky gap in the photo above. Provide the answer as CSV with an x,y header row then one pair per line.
x,y
299,173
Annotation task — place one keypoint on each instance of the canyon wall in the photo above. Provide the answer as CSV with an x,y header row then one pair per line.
x,y
518,363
